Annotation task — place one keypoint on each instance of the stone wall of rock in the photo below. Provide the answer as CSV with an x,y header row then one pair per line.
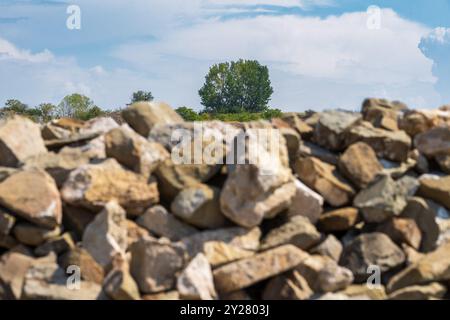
x,y
350,206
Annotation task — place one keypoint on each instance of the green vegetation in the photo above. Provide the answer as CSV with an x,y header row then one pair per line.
x,y
190,115
141,96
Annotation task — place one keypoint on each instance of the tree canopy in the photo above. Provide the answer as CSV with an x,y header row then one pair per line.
x,y
141,96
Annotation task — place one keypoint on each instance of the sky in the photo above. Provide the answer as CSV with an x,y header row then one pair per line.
x,y
321,54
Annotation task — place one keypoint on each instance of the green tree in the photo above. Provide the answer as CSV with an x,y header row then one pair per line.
x,y
46,111
188,114
141,96
15,106
237,86
79,107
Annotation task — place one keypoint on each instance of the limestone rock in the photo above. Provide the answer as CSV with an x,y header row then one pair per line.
x,y
323,178
90,270
32,235
219,252
246,272
118,284
20,138
402,230
434,142
339,220
330,247
306,202
13,268
58,245
435,188
92,186
298,124
308,149
32,195
287,286
382,113
417,121
433,290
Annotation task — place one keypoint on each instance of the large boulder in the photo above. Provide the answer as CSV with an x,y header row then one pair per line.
x,y
34,196
435,142
92,186
415,122
306,202
142,116
339,220
20,138
436,188
382,113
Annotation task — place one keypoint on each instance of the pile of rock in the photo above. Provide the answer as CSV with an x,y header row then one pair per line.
x,y
354,206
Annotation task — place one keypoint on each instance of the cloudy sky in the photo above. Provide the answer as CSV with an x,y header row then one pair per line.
x,y
321,53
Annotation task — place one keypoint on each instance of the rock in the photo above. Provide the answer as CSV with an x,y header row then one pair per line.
x,y
154,265
92,148
323,178
20,138
444,163
7,222
359,164
397,170
118,284
402,230
339,220
169,295
412,256
298,124
330,247
306,203
32,235
382,113
199,206
92,186
288,286
219,253
323,274
431,291
52,132
7,242
106,235
298,231
90,270
434,266
246,272
196,280
382,199
58,245
364,291
57,165
332,126
371,249
415,122
72,141
5,172
76,219
163,224
142,116
99,125
13,268
435,188
386,144
133,151
308,149
249,196
32,195
435,142
135,232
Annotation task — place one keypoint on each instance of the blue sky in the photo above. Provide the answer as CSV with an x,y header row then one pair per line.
x,y
321,53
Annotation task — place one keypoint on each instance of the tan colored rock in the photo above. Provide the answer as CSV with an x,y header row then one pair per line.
x,y
32,235
20,138
90,270
13,268
298,231
135,232
431,291
444,163
169,295
133,151
142,116
106,235
219,253
7,242
402,230
363,290
246,272
436,188
199,206
118,284
58,245
196,280
359,164
306,202
382,113
288,286
435,142
32,195
339,220
298,124
308,149
330,247
418,121
7,222
164,224
76,219
155,264
92,186
323,178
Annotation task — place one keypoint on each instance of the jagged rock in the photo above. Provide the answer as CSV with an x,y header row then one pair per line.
x,y
371,249
118,284
169,295
297,231
106,235
32,195
412,255
402,230
298,124
219,253
76,219
288,286
359,164
58,245
339,220
7,242
52,132
72,141
133,151
382,113
92,186
332,126
99,125
306,203
434,266
196,280
246,272
444,162
435,142
142,116
330,247
323,274
382,199
435,188
154,264
199,206
370,292
7,222
418,121
20,138
13,268
163,224
90,270
308,149
433,291
135,232
292,137
323,178
387,144
32,235
92,147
